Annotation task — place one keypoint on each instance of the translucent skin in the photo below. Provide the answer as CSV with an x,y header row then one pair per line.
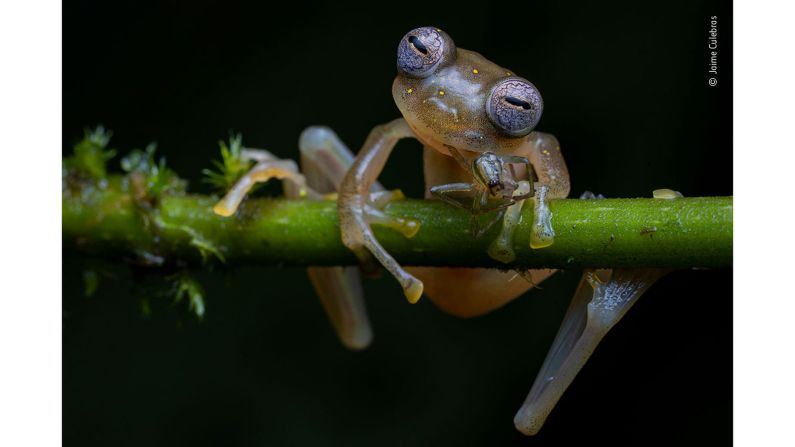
x,y
451,99
449,106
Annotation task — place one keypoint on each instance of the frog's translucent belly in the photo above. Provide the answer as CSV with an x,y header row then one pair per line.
x,y
469,292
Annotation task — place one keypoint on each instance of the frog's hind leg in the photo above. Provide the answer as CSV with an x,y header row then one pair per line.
x,y
324,160
340,292
601,300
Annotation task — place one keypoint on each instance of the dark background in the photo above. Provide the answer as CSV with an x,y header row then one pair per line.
x,y
625,90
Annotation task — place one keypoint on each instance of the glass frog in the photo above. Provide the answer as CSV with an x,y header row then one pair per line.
x,y
476,121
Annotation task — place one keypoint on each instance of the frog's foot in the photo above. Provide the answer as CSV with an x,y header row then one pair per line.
x,y
542,235
355,220
501,248
267,166
601,300
666,193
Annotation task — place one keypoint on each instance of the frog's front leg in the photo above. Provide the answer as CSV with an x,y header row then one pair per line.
x,y
266,167
353,200
324,160
543,151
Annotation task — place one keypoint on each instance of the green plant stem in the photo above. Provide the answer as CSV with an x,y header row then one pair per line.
x,y
685,232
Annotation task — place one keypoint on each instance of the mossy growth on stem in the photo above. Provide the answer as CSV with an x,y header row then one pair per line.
x,y
231,167
146,180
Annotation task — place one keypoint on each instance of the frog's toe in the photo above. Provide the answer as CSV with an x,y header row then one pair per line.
x,y
413,289
665,193
376,215
543,234
501,252
234,197
223,209
407,227
381,199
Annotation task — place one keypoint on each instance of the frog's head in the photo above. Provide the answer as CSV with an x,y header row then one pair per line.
x,y
455,97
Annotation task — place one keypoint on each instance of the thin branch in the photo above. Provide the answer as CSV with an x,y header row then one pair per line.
x,y
108,220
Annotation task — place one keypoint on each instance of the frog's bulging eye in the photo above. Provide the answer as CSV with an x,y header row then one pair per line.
x,y
515,106
518,102
421,50
418,45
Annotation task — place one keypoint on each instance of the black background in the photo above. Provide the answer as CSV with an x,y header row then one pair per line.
x,y
625,91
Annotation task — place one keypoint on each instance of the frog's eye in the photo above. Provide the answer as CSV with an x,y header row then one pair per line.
x,y
422,49
515,106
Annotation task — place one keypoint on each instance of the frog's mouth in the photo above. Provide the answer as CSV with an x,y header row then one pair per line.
x,y
428,139
464,139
